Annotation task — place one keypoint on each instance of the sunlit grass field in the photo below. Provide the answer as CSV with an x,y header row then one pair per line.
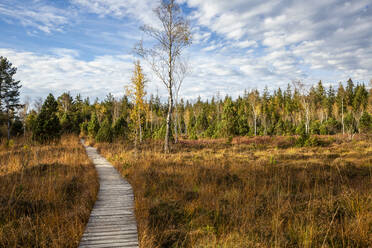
x,y
46,193
250,192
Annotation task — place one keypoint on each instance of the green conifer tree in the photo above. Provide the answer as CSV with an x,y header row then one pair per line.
x,y
9,91
47,126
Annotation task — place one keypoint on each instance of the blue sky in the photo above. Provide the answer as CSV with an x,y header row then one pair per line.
x,y
85,46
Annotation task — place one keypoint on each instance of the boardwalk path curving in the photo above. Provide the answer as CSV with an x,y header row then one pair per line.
x,y
112,222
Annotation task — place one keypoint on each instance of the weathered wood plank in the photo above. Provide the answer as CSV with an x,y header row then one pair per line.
x,y
112,222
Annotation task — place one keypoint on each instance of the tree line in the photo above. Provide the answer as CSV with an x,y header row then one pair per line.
x,y
281,112
136,116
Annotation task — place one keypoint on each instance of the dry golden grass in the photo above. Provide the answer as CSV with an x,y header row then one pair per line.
x,y
250,192
46,193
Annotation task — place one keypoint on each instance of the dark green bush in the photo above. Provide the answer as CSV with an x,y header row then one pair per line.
x,y
120,128
93,126
315,127
16,128
84,128
105,133
365,123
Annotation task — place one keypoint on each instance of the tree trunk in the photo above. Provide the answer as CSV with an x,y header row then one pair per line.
x,y
169,120
139,128
307,113
136,139
151,119
170,86
307,122
342,117
8,127
255,125
175,124
179,126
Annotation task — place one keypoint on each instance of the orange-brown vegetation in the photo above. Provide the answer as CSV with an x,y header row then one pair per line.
x,y
250,192
46,193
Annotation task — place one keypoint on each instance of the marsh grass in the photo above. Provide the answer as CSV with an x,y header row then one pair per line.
x,y
250,192
46,193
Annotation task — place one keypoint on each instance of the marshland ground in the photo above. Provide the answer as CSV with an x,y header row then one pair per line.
x,y
240,192
46,193
250,192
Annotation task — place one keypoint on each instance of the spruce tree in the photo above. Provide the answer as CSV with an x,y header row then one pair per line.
x,y
47,127
350,92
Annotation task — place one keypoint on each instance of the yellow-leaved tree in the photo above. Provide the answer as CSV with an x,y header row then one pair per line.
x,y
136,91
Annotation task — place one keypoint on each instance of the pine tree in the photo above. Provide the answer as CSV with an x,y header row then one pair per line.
x,y
228,118
350,93
9,91
330,100
47,127
359,102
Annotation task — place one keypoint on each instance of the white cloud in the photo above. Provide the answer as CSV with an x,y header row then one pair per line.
x,y
41,74
246,43
139,10
42,17
294,38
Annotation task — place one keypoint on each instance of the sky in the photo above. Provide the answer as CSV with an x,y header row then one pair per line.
x,y
86,46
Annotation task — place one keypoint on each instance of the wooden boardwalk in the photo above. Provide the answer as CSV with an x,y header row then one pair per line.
x,y
112,222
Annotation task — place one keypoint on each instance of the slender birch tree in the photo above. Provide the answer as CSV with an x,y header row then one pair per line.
x,y
171,38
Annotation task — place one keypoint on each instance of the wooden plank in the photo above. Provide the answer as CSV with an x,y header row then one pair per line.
x,y
112,222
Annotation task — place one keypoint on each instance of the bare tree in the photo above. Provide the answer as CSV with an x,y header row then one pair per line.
x,y
171,38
